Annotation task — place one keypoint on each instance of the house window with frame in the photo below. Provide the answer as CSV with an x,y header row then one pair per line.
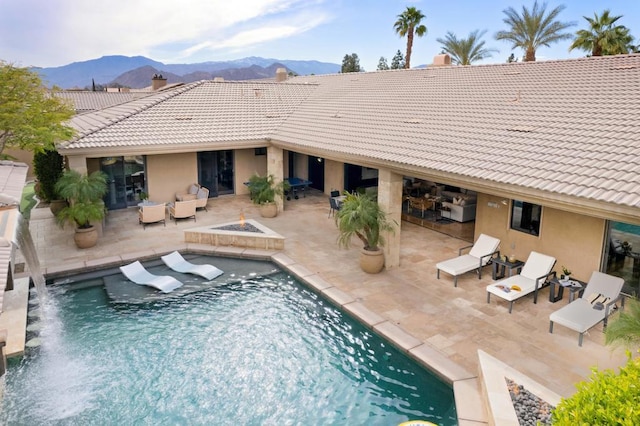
x,y
525,217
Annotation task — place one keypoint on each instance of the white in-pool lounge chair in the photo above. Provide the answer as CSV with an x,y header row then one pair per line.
x,y
533,276
176,262
135,272
479,255
585,312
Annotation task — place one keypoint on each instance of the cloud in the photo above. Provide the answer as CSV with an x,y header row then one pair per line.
x,y
34,32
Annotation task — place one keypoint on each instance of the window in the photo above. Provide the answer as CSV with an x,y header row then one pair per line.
x,y
525,217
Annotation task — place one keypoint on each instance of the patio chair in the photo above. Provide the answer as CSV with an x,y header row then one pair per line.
x,y
176,262
533,276
480,254
334,205
595,305
183,210
148,214
202,198
138,274
190,194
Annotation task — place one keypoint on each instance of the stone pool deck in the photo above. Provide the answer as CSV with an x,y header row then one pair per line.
x,y
429,316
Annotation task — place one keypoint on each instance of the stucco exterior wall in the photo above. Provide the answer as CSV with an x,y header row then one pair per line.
x,y
333,176
170,173
576,241
246,164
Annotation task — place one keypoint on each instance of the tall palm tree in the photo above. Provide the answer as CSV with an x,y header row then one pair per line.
x,y
408,24
534,28
603,37
625,329
465,51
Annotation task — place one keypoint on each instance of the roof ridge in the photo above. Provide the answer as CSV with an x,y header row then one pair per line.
x,y
157,98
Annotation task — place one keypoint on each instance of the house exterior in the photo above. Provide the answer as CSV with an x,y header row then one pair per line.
x,y
550,150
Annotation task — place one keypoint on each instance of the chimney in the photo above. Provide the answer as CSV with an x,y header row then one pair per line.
x,y
281,75
442,60
157,81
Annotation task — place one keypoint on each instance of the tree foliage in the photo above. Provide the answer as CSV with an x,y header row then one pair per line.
x,y
31,117
465,51
603,37
351,63
606,399
397,62
382,64
409,23
533,28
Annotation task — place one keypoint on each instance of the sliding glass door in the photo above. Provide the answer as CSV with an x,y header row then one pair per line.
x,y
125,180
215,172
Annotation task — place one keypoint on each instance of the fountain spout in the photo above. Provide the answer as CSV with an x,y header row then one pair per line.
x,y
24,241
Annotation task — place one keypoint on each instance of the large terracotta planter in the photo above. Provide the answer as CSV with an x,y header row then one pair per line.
x,y
268,210
372,261
86,237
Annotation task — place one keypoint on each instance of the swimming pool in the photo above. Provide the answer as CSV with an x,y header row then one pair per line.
x,y
257,349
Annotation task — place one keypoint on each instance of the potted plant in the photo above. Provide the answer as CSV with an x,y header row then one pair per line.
x,y
361,215
84,194
263,190
566,273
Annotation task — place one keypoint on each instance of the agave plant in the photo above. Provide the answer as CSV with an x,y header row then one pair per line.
x,y
84,194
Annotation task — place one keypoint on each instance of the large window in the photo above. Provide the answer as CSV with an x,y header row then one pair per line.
x,y
125,180
525,217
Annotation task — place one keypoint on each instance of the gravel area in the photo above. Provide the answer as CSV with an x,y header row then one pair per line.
x,y
530,409
237,227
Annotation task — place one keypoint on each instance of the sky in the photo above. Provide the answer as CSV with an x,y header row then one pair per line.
x,y
49,33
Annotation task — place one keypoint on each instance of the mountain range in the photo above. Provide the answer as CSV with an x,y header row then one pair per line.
x,y
136,71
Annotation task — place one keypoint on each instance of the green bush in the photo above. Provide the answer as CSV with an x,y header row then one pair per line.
x,y
606,399
48,166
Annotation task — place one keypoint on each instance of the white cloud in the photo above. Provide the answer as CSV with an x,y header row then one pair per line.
x,y
35,32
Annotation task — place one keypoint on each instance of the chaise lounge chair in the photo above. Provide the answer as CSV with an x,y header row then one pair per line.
x,y
138,274
595,305
479,255
176,262
533,276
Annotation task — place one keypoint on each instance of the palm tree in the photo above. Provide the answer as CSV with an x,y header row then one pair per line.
x,y
465,51
625,329
534,28
603,37
408,24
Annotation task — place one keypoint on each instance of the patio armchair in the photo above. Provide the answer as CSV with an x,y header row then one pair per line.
x,y
596,304
533,276
481,252
190,194
148,214
182,210
202,198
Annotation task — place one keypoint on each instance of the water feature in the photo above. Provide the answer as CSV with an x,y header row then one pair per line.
x,y
260,350
28,249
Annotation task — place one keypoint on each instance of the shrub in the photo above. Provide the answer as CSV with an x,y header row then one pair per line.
x,y
606,399
48,166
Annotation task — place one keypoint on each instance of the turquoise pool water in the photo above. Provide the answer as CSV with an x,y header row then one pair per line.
x,y
262,350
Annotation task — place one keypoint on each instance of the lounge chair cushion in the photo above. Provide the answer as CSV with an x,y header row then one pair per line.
x,y
536,266
483,246
580,314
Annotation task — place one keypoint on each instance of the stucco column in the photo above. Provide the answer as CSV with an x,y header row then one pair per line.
x,y
390,200
275,167
78,163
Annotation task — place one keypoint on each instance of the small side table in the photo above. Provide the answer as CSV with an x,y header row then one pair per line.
x,y
506,267
555,296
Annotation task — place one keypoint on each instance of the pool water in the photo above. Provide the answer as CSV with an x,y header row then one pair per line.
x,y
264,350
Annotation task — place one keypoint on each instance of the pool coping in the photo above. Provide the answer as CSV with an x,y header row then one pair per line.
x,y
467,388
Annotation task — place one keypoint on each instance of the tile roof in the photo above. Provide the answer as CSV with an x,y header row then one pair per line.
x,y
565,128
201,112
85,101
